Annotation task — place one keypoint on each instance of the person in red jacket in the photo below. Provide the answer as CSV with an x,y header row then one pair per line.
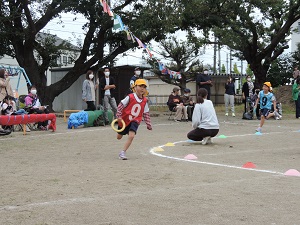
x,y
132,109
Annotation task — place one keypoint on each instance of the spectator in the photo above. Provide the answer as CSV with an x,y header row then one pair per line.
x,y
204,81
247,91
205,121
296,73
5,88
137,73
107,87
89,91
175,104
188,103
32,102
229,96
8,107
296,97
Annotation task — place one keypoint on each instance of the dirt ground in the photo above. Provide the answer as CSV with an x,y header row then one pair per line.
x,y
75,177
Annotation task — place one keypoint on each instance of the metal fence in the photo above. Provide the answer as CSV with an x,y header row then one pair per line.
x,y
161,100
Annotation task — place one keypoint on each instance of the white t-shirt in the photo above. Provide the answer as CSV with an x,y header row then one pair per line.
x,y
107,92
204,116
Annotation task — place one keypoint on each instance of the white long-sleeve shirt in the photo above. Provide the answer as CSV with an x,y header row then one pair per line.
x,y
204,116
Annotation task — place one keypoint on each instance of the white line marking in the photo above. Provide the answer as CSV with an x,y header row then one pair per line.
x,y
152,151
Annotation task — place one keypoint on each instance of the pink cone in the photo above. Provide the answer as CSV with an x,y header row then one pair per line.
x,y
190,156
292,172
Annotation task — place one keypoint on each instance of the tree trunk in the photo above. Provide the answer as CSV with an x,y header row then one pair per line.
x,y
260,72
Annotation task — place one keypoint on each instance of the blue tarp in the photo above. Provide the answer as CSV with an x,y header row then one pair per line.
x,y
77,119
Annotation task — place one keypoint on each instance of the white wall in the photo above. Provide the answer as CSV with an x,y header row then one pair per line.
x,y
295,38
70,98
159,91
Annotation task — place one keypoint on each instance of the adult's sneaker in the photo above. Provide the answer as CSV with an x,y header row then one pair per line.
x,y
122,155
209,141
233,114
205,140
226,114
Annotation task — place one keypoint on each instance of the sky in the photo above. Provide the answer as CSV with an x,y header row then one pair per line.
x,y
71,30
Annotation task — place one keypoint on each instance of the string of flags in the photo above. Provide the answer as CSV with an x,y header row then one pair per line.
x,y
119,25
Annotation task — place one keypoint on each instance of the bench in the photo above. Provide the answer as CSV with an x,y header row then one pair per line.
x,y
69,111
6,120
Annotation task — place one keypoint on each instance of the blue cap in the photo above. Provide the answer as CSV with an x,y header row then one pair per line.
x,y
186,90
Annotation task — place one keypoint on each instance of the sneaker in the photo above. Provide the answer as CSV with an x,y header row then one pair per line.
x,y
233,114
122,155
205,140
42,128
27,128
177,120
209,141
258,129
226,114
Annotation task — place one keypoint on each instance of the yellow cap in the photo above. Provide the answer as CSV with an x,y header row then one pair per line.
x,y
268,84
139,82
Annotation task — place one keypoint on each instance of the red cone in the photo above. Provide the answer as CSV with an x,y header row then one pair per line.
x,y
249,165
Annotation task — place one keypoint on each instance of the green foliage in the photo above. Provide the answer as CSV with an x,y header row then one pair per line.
x,y
223,70
21,22
281,70
235,69
256,30
249,71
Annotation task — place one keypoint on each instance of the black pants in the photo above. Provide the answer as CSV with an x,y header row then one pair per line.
x,y
90,106
190,110
297,103
198,134
37,111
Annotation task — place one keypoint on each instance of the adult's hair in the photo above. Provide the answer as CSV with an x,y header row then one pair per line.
x,y
2,72
88,73
201,94
32,86
106,68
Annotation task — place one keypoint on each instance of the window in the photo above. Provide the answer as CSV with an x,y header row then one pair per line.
x,y
65,59
70,60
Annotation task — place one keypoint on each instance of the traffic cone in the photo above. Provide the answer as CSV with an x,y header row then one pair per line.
x,y
249,165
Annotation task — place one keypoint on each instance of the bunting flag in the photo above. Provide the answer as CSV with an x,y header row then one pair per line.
x,y
149,52
106,7
164,70
118,24
141,45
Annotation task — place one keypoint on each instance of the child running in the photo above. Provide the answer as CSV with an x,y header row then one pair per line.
x,y
204,120
131,109
266,99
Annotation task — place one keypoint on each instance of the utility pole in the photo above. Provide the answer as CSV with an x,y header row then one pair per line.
x,y
215,56
230,61
220,66
227,63
241,66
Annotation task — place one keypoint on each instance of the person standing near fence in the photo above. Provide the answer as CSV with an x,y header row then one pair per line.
x,y
229,96
89,91
107,88
247,91
204,81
